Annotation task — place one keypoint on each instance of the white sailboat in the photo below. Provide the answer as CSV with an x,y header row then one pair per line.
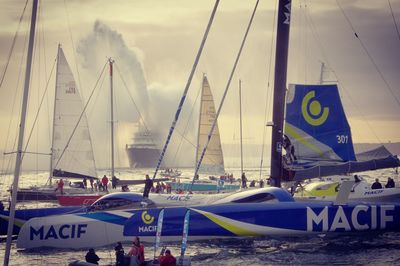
x,y
213,161
71,150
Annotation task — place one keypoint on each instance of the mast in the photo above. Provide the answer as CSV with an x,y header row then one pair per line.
x,y
54,112
196,61
281,58
21,133
241,134
110,61
198,126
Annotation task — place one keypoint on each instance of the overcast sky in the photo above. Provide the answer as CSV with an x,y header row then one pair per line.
x,y
154,44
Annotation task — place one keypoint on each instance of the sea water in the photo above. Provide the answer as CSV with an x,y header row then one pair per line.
x,y
343,249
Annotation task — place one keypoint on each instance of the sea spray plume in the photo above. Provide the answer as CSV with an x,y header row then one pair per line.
x,y
93,50
104,42
163,103
156,105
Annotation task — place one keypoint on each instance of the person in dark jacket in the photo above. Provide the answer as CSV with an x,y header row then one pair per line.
x,y
376,184
148,184
390,183
244,180
114,182
119,254
92,257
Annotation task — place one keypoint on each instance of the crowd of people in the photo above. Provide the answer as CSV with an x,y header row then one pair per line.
x,y
134,257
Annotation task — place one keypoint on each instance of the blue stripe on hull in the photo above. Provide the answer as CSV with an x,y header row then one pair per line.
x,y
268,219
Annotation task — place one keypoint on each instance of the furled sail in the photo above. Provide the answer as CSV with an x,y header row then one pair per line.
x,y
78,156
318,138
213,161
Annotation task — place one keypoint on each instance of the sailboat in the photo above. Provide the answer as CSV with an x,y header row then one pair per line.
x,y
250,216
319,144
319,134
71,150
213,160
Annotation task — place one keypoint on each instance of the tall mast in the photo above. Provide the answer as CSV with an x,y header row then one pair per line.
x,y
21,133
196,61
281,58
111,62
241,135
54,112
198,126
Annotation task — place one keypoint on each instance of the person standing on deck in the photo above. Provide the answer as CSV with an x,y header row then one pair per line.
x,y
148,184
114,182
244,180
91,182
60,186
85,182
104,182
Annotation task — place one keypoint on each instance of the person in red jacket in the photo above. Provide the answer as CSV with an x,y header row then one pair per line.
x,y
137,252
104,182
60,186
167,259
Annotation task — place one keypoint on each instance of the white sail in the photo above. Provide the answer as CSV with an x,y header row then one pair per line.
x,y
78,156
213,161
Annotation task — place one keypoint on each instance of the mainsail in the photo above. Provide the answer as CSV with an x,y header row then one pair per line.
x,y
213,161
70,154
318,136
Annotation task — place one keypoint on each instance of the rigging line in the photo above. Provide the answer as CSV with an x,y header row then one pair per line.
x,y
83,112
369,56
224,95
394,20
37,113
14,102
187,126
13,45
140,115
43,44
319,43
268,96
133,101
73,46
189,81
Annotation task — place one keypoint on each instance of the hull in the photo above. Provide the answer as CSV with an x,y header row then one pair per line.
x,y
361,192
46,193
36,195
207,222
21,216
77,200
142,157
206,186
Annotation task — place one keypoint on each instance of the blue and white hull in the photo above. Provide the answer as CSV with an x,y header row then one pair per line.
x,y
208,222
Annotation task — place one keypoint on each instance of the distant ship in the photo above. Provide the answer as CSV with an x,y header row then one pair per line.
x,y
143,152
